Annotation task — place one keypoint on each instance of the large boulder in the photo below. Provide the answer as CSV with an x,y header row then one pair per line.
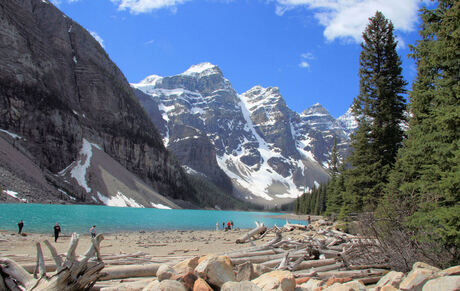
x,y
338,287
276,280
420,274
216,270
245,272
259,270
188,279
166,285
186,265
355,284
201,285
311,284
392,278
165,272
447,283
455,270
240,286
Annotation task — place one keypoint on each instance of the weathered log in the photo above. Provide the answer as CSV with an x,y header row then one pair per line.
x,y
291,226
361,267
72,274
369,280
257,259
131,271
314,263
352,274
246,254
284,264
316,270
259,229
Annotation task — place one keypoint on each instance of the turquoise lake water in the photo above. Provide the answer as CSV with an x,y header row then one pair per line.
x,y
40,218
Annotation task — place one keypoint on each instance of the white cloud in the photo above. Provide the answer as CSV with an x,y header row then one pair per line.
x,y
97,37
347,19
304,57
144,6
307,56
401,44
304,64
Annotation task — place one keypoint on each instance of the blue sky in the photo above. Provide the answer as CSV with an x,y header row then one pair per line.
x,y
308,48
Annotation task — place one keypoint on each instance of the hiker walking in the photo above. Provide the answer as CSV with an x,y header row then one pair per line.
x,y
20,226
92,231
57,230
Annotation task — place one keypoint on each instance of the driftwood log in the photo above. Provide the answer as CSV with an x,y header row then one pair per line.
x,y
71,274
257,231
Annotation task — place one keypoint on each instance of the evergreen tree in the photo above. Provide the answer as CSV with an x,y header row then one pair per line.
x,y
334,164
379,109
334,187
424,193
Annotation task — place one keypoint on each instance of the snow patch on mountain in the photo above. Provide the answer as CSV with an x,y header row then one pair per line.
x,y
348,121
78,171
13,135
120,200
159,206
151,80
14,195
200,69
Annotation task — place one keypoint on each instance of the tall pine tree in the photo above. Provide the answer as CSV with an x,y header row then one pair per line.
x,y
334,187
379,109
424,193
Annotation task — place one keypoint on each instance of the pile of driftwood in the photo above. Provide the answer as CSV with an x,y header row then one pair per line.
x,y
321,252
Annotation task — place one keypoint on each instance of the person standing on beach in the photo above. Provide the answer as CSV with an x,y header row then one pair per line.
x,y
223,225
92,231
20,226
57,230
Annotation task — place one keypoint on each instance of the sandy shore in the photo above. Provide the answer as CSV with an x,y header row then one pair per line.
x,y
157,244
175,243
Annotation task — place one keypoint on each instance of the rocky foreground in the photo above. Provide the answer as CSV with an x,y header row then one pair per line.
x,y
289,258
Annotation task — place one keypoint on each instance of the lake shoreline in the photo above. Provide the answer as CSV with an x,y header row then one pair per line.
x,y
40,218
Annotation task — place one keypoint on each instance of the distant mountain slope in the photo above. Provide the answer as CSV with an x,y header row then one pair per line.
x,y
251,144
60,92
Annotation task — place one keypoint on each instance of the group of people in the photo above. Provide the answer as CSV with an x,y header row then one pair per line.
x,y
225,226
57,230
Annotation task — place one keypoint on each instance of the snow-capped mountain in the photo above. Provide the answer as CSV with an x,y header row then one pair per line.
x,y
348,122
249,144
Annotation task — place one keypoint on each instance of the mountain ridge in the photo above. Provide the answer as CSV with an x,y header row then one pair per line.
x,y
270,148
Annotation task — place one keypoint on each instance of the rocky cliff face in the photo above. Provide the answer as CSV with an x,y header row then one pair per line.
x,y
268,152
325,128
59,88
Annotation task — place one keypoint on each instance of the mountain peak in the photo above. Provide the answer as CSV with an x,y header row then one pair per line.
x,y
259,90
199,69
151,80
316,109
